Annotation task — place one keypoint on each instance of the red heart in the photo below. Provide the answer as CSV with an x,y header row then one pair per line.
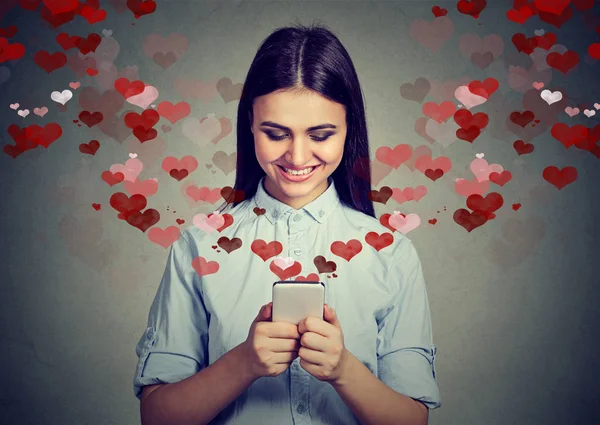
x,y
178,174
112,178
346,250
569,136
560,178
469,220
143,220
291,271
90,119
520,15
90,148
264,250
523,148
594,50
500,178
434,174
468,134
204,267
50,62
492,202
522,119
125,204
311,277
433,221
129,89
379,241
228,221
516,206
563,62
438,11
552,6
43,136
485,88
96,206
556,20
439,113
385,220
472,8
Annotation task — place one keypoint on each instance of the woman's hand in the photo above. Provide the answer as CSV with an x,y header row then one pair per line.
x,y
322,352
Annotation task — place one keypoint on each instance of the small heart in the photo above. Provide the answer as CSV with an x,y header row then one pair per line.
x,y
107,33
166,128
516,206
538,85
214,247
14,106
589,113
218,250
334,275
96,206
74,85
479,155
180,221
433,221
40,112
209,166
23,112
539,32
133,155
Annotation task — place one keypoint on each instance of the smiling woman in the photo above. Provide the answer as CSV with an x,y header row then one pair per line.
x,y
303,166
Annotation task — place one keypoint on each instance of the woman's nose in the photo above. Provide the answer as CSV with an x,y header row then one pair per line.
x,y
300,151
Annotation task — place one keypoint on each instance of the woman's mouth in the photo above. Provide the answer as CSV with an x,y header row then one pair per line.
x,y
297,177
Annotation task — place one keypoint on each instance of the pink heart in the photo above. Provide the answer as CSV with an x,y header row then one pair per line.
x,y
74,85
404,224
464,95
132,168
571,111
145,98
204,267
208,224
284,262
164,237
538,85
466,187
147,187
40,111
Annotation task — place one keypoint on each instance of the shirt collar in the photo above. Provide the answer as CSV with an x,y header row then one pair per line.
x,y
319,208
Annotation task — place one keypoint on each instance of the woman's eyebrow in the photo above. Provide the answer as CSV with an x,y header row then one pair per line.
x,y
282,127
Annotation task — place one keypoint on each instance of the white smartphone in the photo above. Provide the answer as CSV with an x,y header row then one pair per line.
x,y
295,300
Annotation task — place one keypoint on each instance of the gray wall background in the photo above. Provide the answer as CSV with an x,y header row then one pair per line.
x,y
514,302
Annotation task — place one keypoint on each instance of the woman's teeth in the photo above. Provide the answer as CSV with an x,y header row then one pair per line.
x,y
298,173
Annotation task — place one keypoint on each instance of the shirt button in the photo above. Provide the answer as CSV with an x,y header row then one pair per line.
x,y
300,408
321,213
298,251
297,217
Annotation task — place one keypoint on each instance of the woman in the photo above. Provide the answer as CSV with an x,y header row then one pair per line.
x,y
301,108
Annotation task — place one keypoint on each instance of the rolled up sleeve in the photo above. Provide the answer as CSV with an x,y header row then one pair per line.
x,y
175,342
405,350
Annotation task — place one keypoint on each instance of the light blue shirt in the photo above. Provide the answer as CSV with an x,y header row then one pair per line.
x,y
380,299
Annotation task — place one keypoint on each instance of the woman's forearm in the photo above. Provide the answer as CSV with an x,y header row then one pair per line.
x,y
198,399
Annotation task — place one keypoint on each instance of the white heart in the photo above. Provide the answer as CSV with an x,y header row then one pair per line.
x,y
133,155
539,32
479,155
396,212
589,113
551,97
61,98
597,105
14,106
107,33
23,112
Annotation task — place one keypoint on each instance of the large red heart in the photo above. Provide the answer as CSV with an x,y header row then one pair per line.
x,y
379,241
346,250
291,271
266,250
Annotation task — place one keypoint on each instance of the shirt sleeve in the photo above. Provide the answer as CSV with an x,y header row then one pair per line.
x,y
405,350
174,344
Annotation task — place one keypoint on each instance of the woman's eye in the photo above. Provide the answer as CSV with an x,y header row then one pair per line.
x,y
316,139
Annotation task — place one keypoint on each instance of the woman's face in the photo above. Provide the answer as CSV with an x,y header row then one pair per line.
x,y
299,147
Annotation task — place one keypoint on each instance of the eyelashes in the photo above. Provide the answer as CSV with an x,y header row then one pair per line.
x,y
277,138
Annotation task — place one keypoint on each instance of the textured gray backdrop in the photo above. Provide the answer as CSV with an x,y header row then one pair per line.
x,y
514,302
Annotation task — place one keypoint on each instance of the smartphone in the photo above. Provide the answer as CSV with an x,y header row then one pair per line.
x,y
295,300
